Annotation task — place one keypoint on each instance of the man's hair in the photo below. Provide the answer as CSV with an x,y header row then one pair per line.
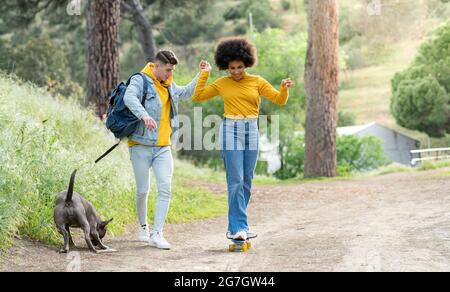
x,y
166,57
235,49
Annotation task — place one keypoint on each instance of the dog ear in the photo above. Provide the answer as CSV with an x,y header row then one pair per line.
x,y
105,223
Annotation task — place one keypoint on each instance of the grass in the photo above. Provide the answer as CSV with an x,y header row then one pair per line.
x,y
430,165
44,139
367,91
443,174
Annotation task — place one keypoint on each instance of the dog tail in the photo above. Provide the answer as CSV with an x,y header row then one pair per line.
x,y
70,190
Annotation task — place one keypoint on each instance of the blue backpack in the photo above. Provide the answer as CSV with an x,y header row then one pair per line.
x,y
120,120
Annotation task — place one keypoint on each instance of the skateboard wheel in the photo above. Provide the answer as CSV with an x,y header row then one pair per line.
x,y
231,247
244,247
249,245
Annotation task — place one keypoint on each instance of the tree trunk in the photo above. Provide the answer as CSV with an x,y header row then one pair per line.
x,y
137,16
321,86
103,18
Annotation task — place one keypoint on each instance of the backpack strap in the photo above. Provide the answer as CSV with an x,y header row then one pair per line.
x,y
107,152
145,90
145,85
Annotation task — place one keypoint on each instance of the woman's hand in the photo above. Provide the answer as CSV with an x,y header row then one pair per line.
x,y
204,66
286,82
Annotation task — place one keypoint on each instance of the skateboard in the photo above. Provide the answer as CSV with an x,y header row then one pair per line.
x,y
239,245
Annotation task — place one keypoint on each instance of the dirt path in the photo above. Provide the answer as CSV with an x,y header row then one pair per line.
x,y
395,222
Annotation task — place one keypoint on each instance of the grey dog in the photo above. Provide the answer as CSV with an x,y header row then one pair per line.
x,y
72,210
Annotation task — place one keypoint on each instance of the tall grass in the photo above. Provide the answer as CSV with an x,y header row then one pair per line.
x,y
43,140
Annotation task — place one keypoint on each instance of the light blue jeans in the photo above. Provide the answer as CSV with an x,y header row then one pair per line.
x,y
240,146
160,159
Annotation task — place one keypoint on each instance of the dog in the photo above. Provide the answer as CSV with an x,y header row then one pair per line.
x,y
72,210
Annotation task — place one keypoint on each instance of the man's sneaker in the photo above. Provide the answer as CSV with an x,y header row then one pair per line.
x,y
144,234
157,240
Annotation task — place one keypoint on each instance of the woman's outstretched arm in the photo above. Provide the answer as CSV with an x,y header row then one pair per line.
x,y
202,91
278,97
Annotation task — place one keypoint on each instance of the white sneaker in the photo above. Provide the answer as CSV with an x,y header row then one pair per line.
x,y
251,234
144,234
241,235
157,240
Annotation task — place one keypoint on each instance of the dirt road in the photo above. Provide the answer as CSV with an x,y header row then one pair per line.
x,y
395,222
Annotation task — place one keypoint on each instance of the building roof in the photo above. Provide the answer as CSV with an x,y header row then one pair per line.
x,y
353,130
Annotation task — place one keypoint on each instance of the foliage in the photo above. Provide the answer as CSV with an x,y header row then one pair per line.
x,y
262,15
293,159
359,154
41,61
354,154
346,119
421,93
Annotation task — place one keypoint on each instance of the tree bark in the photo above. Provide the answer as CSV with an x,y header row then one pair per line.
x,y
103,17
137,16
321,86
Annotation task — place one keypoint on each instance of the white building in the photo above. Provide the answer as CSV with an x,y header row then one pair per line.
x,y
397,146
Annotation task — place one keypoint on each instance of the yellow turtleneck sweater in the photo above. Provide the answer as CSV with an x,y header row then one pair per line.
x,y
241,98
165,130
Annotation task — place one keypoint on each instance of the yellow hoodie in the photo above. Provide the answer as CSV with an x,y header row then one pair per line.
x,y
165,130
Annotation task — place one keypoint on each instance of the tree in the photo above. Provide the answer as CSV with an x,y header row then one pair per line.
x,y
321,85
102,53
133,11
421,94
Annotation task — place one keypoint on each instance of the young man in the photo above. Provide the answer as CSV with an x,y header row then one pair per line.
x,y
149,145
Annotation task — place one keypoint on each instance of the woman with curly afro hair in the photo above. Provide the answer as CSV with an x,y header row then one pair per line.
x,y
239,135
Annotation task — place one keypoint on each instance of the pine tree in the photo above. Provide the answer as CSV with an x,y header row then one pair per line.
x,y
321,85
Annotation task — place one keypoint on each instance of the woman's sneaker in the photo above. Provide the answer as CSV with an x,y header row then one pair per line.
x,y
144,234
251,234
241,235
157,240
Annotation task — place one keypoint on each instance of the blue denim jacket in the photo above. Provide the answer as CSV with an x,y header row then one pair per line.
x,y
153,107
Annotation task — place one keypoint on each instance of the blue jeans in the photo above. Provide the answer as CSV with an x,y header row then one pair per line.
x,y
240,147
160,159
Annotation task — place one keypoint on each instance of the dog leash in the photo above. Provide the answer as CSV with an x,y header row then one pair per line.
x,y
107,152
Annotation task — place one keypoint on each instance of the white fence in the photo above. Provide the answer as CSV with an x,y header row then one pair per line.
x,y
429,154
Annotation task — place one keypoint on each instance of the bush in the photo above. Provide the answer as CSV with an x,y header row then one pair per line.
x,y
293,159
421,94
262,14
346,119
359,154
423,105
285,4
354,154
42,62
40,59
